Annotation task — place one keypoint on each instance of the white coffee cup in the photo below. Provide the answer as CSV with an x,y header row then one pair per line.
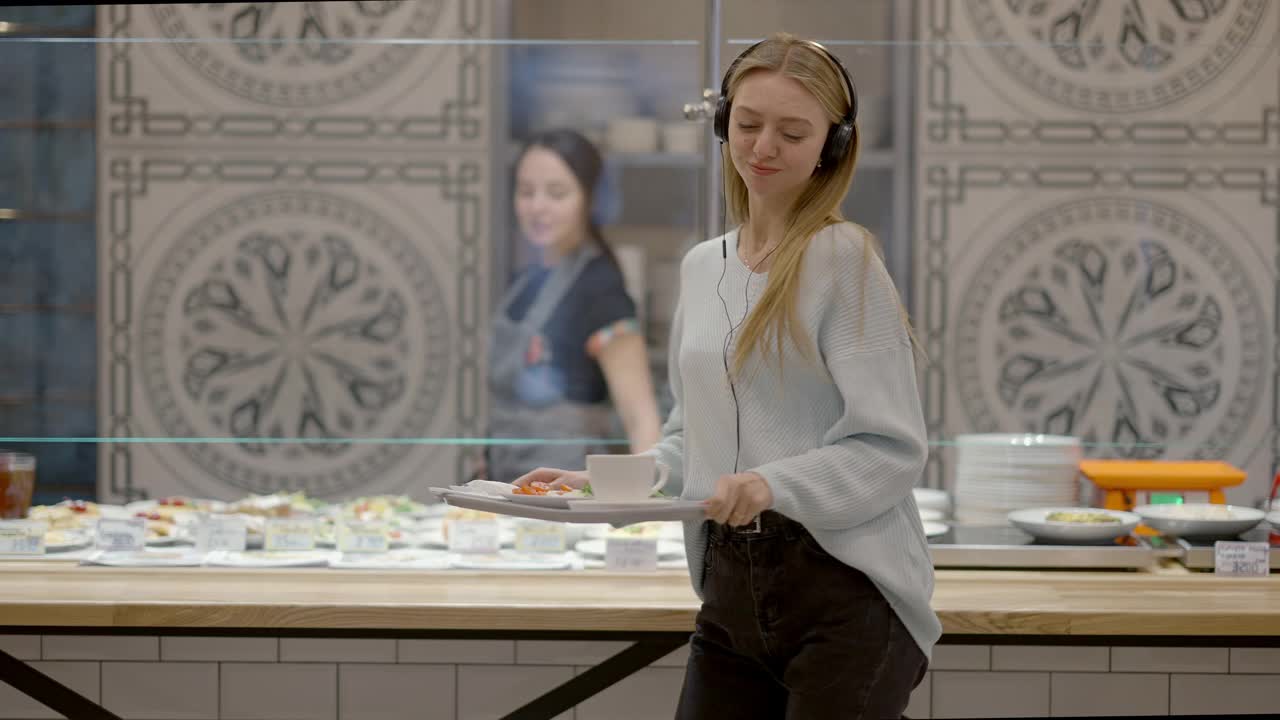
x,y
624,478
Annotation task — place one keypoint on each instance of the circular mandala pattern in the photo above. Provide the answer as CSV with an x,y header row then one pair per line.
x,y
301,316
1123,322
303,54
1116,56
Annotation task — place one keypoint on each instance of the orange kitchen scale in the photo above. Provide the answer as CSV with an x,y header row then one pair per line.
x,y
1122,480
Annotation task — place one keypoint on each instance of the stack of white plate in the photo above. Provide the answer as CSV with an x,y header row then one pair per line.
x,y
996,474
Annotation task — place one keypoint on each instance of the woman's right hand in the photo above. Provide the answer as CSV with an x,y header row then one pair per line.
x,y
551,477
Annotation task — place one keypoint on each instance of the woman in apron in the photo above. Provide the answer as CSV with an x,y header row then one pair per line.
x,y
564,339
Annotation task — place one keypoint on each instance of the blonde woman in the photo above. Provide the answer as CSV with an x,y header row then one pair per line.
x,y
797,420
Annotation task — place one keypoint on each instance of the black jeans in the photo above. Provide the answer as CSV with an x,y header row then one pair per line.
x,y
788,631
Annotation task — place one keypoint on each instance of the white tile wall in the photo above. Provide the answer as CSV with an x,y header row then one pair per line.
x,y
396,692
959,694
465,680
650,694
97,647
220,649
462,652
552,652
1255,660
1094,694
961,657
1223,694
285,691
1050,658
1169,659
22,647
920,704
337,650
81,677
161,691
491,691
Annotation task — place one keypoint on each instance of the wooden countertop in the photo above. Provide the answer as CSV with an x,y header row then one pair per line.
x,y
968,602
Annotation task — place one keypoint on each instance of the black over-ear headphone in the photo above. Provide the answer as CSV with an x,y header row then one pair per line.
x,y
839,137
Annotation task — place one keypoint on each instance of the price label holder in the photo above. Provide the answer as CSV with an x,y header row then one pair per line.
x,y
218,532
473,536
22,537
122,534
631,554
1241,559
290,534
540,536
363,537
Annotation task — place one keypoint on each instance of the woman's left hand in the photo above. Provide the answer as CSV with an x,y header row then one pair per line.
x,y
739,499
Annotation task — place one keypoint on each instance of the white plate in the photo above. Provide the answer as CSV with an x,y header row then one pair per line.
x,y
665,530
432,536
394,560
935,529
931,515
596,548
1180,520
1273,517
551,501
673,564
146,558
931,499
70,541
270,559
1033,522
512,560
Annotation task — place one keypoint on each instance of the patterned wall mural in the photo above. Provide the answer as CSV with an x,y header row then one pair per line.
x,y
293,246
1098,215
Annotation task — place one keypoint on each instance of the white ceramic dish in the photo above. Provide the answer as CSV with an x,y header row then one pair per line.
x,y
512,560
932,516
931,499
1200,519
549,500
1035,522
146,558
63,540
394,560
306,558
935,529
1273,517
596,548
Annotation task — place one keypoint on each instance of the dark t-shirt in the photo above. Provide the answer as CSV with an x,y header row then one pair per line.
x,y
592,311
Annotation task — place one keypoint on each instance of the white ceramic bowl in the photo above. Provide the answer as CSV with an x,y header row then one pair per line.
x,y
1200,519
930,499
1035,522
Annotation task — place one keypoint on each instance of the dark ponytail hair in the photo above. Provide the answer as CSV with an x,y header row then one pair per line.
x,y
585,163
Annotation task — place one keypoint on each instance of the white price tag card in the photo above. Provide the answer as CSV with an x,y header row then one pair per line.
x,y
122,534
290,534
631,554
22,537
1241,559
540,536
363,537
222,533
473,536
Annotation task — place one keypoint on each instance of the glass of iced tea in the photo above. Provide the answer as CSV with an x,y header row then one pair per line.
x,y
17,480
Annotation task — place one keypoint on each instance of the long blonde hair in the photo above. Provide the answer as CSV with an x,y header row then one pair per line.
x,y
817,206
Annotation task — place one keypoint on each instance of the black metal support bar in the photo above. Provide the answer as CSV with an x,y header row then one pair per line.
x,y
49,692
628,661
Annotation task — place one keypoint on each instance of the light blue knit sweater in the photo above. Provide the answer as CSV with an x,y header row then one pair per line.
x,y
841,441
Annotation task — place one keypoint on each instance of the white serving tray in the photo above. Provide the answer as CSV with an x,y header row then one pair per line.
x,y
674,511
